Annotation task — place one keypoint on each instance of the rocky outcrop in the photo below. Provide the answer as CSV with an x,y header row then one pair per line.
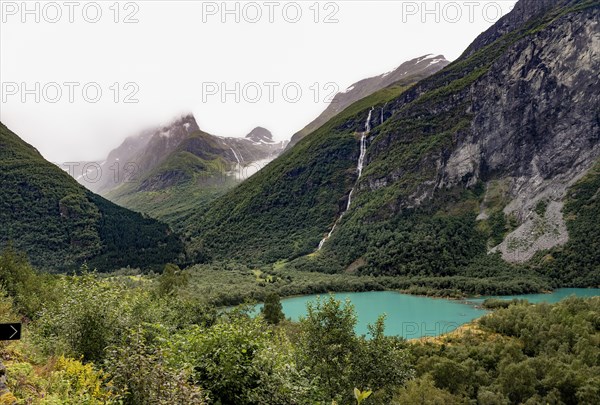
x,y
531,123
260,134
535,120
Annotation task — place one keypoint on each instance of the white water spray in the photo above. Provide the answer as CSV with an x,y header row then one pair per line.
x,y
359,169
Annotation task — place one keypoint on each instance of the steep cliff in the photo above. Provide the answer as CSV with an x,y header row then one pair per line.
x,y
529,119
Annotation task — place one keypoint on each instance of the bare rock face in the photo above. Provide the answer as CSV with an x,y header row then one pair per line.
x,y
535,234
535,124
532,124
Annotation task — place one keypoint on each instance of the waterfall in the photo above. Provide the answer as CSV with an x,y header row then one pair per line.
x,y
236,156
359,169
238,167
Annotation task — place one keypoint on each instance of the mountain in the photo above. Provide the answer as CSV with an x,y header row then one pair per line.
x,y
497,152
409,72
140,154
172,171
260,134
61,225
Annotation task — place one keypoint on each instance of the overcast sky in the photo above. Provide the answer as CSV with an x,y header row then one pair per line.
x,y
180,56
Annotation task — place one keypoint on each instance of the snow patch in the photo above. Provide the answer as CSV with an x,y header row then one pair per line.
x,y
433,62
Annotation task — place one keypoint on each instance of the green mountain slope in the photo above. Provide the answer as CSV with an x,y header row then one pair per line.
x,y
482,152
283,210
189,178
409,71
61,225
176,170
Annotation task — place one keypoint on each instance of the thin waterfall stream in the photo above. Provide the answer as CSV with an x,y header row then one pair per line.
x,y
236,156
359,169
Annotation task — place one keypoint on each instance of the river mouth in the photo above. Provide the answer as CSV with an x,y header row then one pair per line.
x,y
414,317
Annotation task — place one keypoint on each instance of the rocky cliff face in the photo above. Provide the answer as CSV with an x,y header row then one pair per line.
x,y
534,122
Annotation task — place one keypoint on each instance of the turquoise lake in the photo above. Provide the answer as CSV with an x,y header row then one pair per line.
x,y
414,316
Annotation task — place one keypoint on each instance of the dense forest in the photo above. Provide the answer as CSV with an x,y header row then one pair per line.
x,y
61,225
92,339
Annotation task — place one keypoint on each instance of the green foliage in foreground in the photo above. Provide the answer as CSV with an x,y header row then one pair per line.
x,y
172,279
528,354
272,310
121,339
23,283
339,359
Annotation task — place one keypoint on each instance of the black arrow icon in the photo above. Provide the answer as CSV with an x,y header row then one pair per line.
x,y
10,331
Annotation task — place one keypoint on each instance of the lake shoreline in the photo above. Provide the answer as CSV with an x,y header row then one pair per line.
x,y
413,316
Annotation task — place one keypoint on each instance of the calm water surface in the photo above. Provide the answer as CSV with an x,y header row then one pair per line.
x,y
413,316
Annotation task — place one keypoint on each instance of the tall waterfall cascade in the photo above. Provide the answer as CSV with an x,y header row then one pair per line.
x,y
359,169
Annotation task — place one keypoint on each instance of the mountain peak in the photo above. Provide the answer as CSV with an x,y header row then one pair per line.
x,y
187,121
408,72
260,134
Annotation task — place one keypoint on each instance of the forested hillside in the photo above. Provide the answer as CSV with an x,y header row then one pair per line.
x,y
61,225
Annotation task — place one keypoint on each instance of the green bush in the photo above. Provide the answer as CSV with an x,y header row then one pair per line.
x,y
140,375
